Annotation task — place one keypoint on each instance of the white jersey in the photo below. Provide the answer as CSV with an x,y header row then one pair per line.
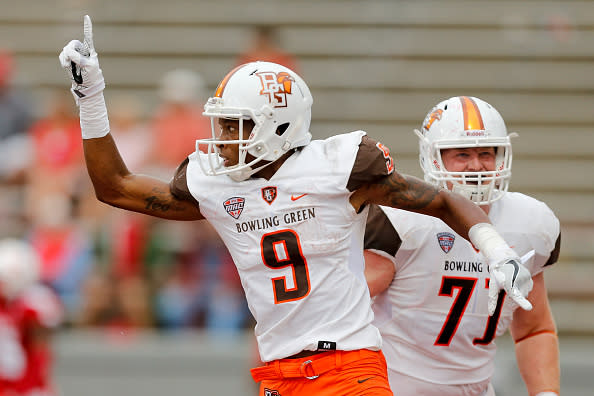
x,y
297,243
433,318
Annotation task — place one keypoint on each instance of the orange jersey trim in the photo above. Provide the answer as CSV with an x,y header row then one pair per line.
x,y
551,332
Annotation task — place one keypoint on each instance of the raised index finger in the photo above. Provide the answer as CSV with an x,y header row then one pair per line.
x,y
88,32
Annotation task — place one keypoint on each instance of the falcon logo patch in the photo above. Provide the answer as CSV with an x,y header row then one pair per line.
x,y
234,206
431,118
269,194
446,241
276,87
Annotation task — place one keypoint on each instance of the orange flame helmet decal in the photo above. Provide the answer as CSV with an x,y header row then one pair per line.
x,y
472,116
434,115
224,81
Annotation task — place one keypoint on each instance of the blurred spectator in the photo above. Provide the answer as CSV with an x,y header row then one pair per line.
x,y
180,299
131,133
52,195
29,312
56,166
16,115
176,126
119,304
179,121
226,308
128,231
561,27
116,295
265,46
64,246
198,286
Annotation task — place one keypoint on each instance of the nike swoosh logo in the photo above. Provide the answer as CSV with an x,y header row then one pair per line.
x,y
363,380
516,270
295,198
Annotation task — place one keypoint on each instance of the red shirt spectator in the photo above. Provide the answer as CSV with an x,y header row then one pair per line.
x,y
265,47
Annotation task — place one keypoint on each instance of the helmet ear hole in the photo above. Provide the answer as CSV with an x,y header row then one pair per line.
x,y
282,128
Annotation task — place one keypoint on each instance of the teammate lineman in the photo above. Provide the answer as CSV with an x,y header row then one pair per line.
x,y
431,284
292,213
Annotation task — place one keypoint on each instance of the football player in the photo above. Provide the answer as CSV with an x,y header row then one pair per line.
x,y
430,285
292,213
29,312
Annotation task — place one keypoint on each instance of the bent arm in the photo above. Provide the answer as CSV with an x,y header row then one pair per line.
x,y
379,272
537,347
116,186
410,193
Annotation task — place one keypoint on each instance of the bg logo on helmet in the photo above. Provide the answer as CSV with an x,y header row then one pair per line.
x,y
276,87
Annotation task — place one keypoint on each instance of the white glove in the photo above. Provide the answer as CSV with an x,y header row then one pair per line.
x,y
508,272
82,64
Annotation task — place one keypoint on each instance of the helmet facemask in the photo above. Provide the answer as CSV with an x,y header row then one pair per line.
x,y
444,128
242,169
279,104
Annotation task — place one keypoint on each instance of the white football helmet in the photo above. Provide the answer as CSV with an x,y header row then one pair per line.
x,y
462,122
19,267
279,103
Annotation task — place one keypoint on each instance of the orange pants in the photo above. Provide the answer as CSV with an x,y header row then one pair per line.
x,y
338,373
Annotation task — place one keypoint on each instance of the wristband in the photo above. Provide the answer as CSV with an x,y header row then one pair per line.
x,y
486,239
94,122
548,393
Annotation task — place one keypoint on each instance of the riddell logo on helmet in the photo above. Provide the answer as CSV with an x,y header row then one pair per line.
x,y
276,87
475,133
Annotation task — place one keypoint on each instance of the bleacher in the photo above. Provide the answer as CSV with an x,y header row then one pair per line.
x,y
379,66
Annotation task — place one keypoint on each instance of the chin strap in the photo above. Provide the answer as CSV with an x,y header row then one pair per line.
x,y
476,194
245,173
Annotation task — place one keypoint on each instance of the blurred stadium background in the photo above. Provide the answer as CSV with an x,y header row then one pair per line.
x,y
373,65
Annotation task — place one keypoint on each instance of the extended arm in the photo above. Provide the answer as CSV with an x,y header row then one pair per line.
x,y
537,347
464,217
409,193
116,186
113,182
